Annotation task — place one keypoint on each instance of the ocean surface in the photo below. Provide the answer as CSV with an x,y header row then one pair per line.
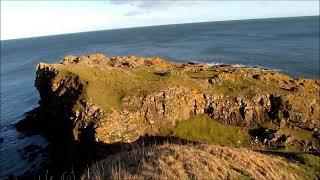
x,y
289,45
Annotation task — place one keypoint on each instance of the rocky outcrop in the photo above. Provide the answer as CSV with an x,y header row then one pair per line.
x,y
119,99
273,138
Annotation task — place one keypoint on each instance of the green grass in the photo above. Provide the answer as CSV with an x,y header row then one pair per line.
x,y
204,74
297,133
107,88
310,160
246,88
204,129
311,166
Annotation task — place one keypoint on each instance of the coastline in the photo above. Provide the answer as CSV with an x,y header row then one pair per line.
x,y
239,45
271,138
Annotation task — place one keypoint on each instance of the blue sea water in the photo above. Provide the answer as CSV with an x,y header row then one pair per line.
x,y
290,45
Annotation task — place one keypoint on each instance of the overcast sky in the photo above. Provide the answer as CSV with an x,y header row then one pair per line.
x,y
38,18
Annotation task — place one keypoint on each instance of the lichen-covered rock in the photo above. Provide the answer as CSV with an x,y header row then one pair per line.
x,y
119,99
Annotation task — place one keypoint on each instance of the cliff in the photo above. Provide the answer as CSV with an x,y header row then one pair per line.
x,y
119,99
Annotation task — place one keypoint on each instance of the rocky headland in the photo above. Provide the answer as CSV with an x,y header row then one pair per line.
x,y
107,100
119,99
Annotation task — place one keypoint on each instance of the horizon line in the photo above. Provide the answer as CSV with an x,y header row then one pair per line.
x,y
70,33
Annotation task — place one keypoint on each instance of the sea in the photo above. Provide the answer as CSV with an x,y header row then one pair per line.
x,y
287,45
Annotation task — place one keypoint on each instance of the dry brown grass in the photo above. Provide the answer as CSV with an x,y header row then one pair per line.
x,y
171,161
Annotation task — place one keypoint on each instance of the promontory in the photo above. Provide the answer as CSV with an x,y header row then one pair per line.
x,y
119,99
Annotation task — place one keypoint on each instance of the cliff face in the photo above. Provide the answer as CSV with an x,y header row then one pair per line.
x,y
119,99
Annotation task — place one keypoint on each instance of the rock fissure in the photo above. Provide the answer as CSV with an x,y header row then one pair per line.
x,y
276,104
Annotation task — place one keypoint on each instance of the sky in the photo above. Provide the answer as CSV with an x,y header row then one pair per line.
x,y
20,19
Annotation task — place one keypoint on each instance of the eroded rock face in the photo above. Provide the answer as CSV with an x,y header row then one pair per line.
x,y
119,99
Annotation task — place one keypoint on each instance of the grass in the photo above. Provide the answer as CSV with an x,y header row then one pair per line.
x,y
247,88
139,81
189,161
310,160
209,160
234,85
204,74
311,164
299,134
204,129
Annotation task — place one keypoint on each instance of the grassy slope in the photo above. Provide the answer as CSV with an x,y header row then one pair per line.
x,y
141,80
172,161
204,129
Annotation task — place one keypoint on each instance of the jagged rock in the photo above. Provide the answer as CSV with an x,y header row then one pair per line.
x,y
275,138
121,98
